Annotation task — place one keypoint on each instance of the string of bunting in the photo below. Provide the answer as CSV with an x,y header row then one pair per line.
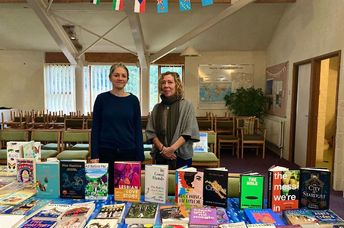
x,y
161,5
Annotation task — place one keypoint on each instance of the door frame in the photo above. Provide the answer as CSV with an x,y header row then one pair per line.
x,y
313,106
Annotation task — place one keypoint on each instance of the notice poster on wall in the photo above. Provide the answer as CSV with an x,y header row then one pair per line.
x,y
276,89
215,81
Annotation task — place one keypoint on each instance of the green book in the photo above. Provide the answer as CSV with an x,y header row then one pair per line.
x,y
251,191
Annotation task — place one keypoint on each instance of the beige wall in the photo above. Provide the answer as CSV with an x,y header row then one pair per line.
x,y
232,57
21,80
308,29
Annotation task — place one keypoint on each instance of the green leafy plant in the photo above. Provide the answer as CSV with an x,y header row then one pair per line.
x,y
247,102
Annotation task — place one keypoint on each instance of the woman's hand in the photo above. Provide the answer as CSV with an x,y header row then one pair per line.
x,y
168,152
96,160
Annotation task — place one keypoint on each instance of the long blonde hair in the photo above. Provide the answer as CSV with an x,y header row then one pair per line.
x,y
179,85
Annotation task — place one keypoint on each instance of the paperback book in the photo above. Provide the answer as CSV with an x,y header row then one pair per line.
x,y
127,181
221,214
251,191
203,217
315,187
306,216
32,150
48,179
283,188
14,151
76,216
202,145
215,187
96,181
173,214
72,179
233,225
156,185
189,187
114,212
263,216
27,207
26,170
144,213
102,223
17,197
34,223
50,212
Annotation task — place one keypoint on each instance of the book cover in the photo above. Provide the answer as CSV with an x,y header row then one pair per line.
x,y
17,197
173,214
50,212
97,178
48,179
127,181
34,223
144,213
27,207
5,182
102,223
315,187
202,145
32,150
205,216
114,212
215,187
263,216
307,216
327,217
233,225
221,215
14,151
283,188
72,179
76,215
26,172
156,185
251,191
189,187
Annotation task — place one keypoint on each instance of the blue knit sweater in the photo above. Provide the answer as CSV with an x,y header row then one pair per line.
x,y
117,124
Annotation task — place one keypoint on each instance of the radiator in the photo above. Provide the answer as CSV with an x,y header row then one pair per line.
x,y
274,134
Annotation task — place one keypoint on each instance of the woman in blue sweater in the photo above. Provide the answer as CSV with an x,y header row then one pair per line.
x,y
116,127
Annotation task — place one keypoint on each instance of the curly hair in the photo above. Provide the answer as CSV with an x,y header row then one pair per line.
x,y
117,65
179,85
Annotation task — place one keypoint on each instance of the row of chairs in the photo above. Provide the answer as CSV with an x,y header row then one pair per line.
x,y
63,144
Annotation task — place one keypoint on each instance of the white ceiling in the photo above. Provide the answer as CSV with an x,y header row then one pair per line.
x,y
251,28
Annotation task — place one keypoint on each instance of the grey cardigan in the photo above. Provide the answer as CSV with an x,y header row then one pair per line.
x,y
187,125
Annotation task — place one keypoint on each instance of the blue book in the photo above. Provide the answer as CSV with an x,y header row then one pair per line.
x,y
38,223
47,179
258,216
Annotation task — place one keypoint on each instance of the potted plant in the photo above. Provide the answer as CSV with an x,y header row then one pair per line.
x,y
247,102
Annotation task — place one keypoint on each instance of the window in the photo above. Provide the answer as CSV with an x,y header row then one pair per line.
x,y
59,88
96,81
154,72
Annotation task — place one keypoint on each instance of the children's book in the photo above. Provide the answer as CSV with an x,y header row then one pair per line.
x,y
50,212
102,223
215,187
127,181
76,216
315,187
96,181
173,214
189,187
283,188
202,145
114,212
72,179
26,170
143,213
156,183
263,216
34,223
27,207
48,179
251,191
14,151
203,217
32,150
17,197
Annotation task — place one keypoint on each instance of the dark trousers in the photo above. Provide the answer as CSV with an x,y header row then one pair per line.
x,y
110,156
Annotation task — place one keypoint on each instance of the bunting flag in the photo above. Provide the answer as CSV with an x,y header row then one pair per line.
x,y
162,6
117,4
207,2
96,2
184,5
140,6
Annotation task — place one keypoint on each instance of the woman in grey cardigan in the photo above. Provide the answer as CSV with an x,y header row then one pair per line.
x,y
172,125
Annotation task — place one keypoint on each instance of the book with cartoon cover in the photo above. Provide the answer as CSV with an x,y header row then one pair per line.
x,y
96,181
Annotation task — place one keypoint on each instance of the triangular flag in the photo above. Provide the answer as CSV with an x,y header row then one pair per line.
x,y
184,5
96,2
117,4
207,2
140,6
162,6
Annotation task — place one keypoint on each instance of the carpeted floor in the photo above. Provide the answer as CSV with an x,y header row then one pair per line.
x,y
254,163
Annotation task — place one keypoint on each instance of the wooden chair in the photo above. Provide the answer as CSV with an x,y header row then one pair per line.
x,y
205,124
70,149
251,135
8,135
207,159
77,123
144,121
50,140
226,134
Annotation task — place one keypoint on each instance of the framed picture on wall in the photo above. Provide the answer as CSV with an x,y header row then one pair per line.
x,y
215,81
